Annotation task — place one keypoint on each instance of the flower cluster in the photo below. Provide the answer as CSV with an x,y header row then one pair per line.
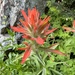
x,y
33,28
69,29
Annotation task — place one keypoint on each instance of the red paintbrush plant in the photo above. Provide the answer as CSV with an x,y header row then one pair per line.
x,y
69,29
34,29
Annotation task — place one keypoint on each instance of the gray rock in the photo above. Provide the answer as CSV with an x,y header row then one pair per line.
x,y
9,10
4,40
39,4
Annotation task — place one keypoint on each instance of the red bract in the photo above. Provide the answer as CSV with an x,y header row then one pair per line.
x,y
26,53
33,28
74,24
69,28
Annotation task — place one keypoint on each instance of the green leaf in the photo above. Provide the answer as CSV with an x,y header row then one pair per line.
x,y
44,71
52,63
10,32
58,73
40,60
54,46
52,1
